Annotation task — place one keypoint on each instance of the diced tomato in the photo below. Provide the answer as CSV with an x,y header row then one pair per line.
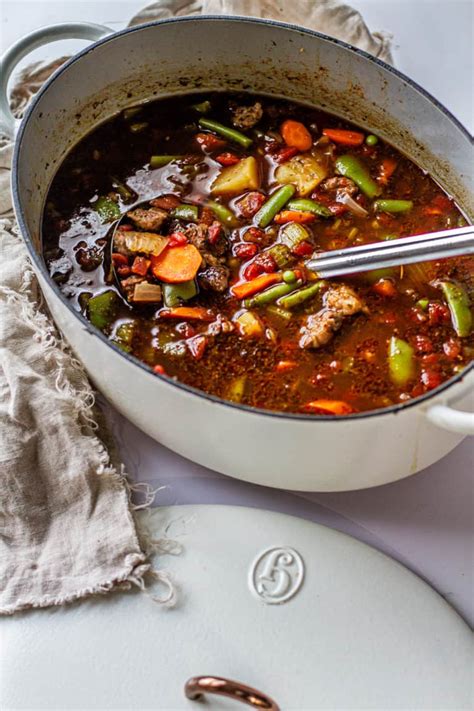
x,y
283,365
227,158
430,359
177,239
210,142
119,260
431,378
385,288
250,203
284,154
452,348
185,329
442,202
252,271
197,346
214,232
303,249
245,250
438,314
140,266
273,147
423,344
266,261
166,202
159,370
124,271
254,234
125,228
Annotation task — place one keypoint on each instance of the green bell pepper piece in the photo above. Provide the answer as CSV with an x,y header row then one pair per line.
x,y
102,309
174,294
459,307
401,361
107,209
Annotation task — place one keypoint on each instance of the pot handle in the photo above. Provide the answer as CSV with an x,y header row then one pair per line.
x,y
25,45
450,419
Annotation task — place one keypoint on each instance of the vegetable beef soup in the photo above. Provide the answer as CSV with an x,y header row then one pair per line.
x,y
181,229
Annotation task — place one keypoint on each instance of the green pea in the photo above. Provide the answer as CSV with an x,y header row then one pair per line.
x,y
289,276
371,140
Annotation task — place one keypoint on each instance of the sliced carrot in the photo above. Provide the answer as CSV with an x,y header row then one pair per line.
x,y
302,218
188,313
333,407
248,288
386,288
386,169
344,137
296,135
176,265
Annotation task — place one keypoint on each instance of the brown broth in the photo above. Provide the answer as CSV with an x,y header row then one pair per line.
x,y
353,366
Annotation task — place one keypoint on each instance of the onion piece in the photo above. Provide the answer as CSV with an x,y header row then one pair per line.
x,y
352,205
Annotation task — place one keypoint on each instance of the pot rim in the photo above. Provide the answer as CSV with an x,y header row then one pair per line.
x,y
40,265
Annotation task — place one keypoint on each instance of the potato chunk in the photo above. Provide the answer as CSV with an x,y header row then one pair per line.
x,y
304,171
236,178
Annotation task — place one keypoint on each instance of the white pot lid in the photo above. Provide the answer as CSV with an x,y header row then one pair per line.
x,y
330,623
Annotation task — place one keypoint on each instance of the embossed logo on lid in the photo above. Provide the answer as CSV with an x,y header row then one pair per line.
x,y
276,575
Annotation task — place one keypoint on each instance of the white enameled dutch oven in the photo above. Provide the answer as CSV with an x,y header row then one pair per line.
x,y
313,453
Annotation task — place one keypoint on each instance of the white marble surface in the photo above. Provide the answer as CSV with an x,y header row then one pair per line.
x,y
426,521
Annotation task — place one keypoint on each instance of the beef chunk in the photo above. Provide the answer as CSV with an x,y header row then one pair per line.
x,y
247,116
343,300
339,186
214,278
319,329
150,219
198,235
340,302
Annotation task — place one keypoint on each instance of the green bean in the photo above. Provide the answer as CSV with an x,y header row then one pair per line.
x,y
274,204
174,294
190,213
229,133
371,140
352,168
401,361
107,209
270,295
306,205
281,254
393,205
102,309
203,107
459,307
160,161
281,313
300,296
222,213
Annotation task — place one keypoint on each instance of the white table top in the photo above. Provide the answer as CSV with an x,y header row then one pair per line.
x,y
426,521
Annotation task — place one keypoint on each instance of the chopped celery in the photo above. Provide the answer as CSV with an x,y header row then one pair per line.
x,y
293,234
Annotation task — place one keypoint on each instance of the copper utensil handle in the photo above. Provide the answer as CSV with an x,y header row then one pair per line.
x,y
197,686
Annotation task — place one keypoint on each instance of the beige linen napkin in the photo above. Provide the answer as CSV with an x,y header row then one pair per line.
x,y
66,524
